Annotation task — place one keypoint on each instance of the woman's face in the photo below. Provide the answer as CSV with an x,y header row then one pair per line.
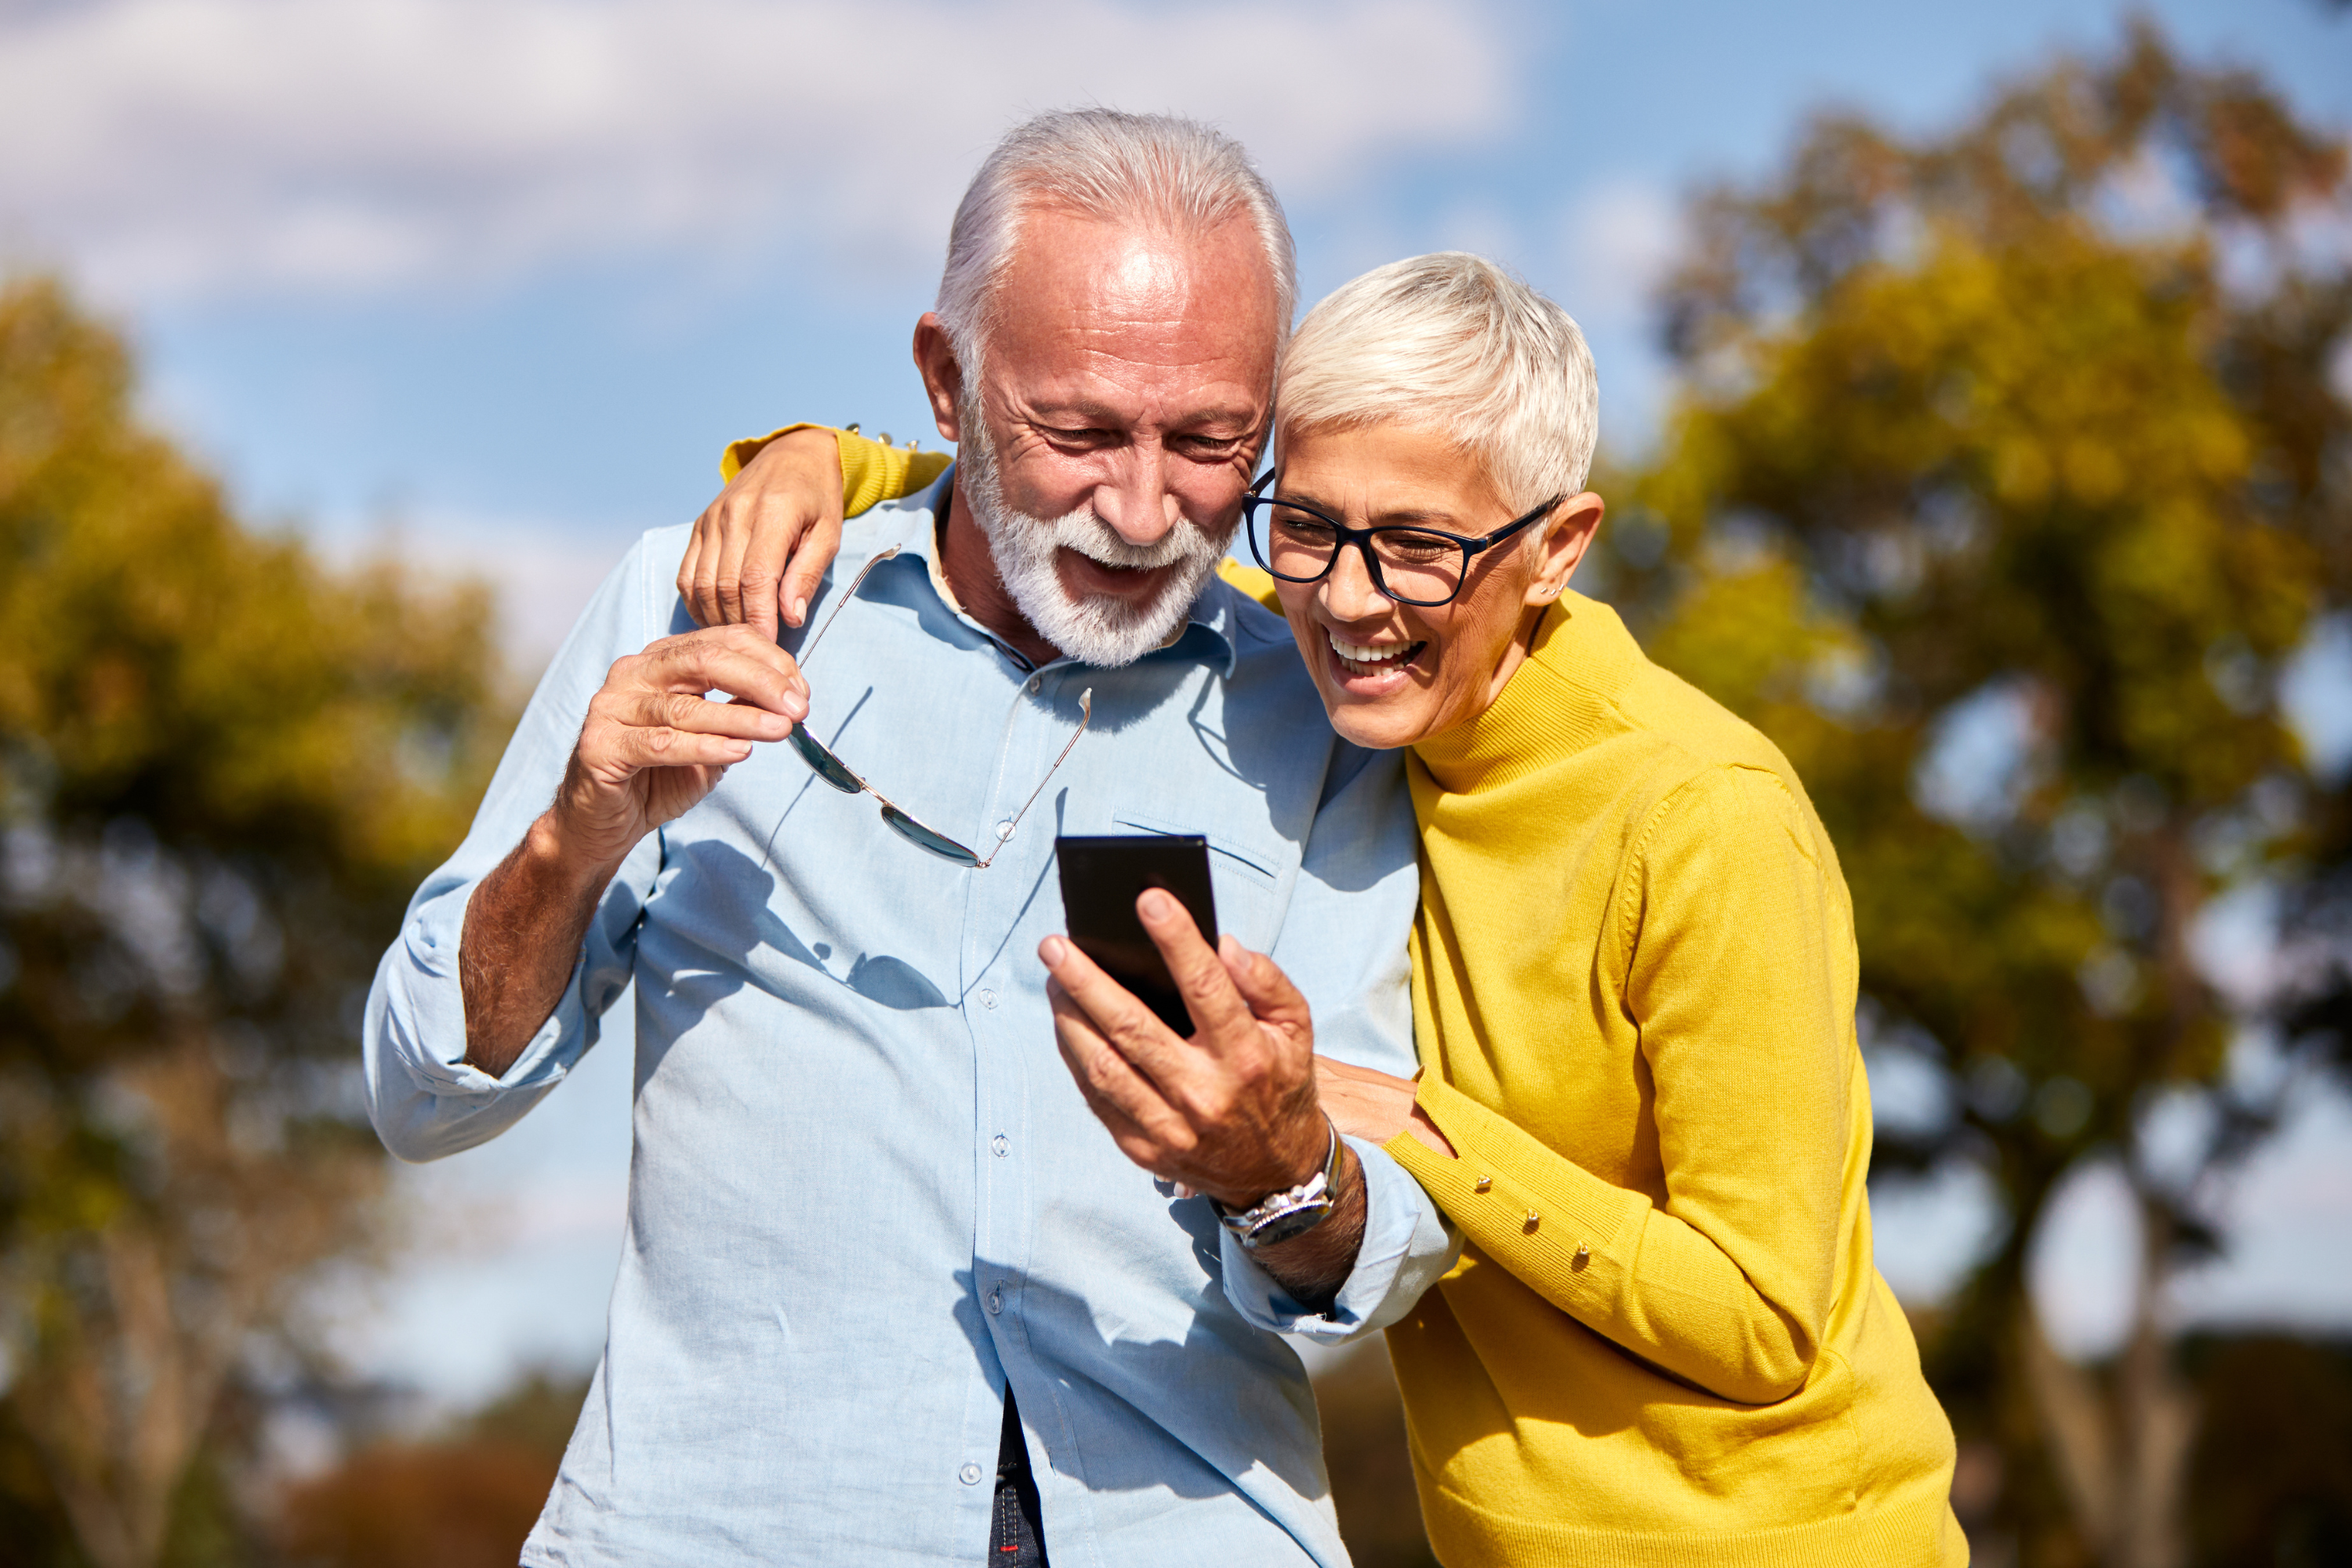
x,y
1392,674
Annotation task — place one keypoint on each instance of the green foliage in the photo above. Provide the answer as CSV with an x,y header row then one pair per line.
x,y
222,769
2027,433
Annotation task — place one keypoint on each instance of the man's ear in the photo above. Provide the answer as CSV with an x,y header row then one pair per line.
x,y
1567,536
942,376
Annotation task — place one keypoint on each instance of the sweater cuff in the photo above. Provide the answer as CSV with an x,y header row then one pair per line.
x,y
738,453
871,471
1545,1219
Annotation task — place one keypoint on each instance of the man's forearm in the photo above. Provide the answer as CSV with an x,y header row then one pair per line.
x,y
523,927
1313,1267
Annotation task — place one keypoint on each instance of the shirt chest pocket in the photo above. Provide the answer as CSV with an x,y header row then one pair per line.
x,y
1248,877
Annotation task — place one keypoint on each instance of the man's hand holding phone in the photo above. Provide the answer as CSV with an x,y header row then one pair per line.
x,y
1233,1111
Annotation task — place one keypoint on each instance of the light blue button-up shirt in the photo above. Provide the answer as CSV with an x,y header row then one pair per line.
x,y
865,1193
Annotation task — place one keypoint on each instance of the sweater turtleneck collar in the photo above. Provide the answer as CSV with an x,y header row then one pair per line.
x,y
1560,700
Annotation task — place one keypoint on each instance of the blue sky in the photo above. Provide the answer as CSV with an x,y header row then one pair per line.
x,y
492,280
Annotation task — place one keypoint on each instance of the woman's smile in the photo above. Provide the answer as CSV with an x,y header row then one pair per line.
x,y
1372,668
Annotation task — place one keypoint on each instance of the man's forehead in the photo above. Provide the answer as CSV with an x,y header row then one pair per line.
x,y
1113,400
1076,286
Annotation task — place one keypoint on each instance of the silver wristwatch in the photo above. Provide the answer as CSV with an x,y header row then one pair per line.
x,y
1278,1216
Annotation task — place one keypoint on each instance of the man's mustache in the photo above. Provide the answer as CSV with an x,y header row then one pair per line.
x,y
1090,536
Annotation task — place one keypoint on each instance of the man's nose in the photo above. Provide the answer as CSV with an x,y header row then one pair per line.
x,y
1135,499
1347,593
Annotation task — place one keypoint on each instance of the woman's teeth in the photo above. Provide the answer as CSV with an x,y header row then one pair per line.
x,y
1369,656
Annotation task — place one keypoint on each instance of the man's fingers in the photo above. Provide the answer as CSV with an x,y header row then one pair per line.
x,y
636,748
1109,1081
676,711
732,659
1268,991
1114,1012
817,547
1209,994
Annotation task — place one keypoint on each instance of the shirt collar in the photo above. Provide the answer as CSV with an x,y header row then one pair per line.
x,y
1206,634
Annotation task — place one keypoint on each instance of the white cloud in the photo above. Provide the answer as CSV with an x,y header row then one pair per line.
x,y
541,572
170,148
1617,243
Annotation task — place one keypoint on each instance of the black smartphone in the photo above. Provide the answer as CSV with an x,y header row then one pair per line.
x,y
1101,878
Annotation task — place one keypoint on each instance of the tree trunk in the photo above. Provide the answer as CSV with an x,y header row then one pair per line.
x,y
2157,1413
2122,1455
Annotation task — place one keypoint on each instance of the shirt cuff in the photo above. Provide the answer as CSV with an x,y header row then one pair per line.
x,y
426,1100
1408,1245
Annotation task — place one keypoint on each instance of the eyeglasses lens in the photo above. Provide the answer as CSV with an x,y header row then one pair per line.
x,y
1417,568
922,838
826,765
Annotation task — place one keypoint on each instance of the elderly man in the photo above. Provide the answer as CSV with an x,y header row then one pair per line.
x,y
888,1293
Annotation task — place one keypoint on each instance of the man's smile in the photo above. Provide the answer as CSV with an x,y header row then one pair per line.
x,y
1084,576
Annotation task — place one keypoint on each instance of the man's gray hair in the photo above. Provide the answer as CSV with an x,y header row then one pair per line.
x,y
1174,176
1452,342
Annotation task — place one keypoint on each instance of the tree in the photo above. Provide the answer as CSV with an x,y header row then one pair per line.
x,y
222,768
2021,443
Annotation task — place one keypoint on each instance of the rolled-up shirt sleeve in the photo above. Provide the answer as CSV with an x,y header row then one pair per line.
x,y
424,1099
1361,852
1409,1244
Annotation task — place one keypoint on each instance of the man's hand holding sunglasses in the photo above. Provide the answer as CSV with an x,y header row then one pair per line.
x,y
652,747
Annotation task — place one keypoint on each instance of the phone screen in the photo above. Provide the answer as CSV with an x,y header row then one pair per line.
x,y
1101,878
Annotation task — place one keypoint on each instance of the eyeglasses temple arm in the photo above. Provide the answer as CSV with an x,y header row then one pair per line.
x,y
841,604
1086,714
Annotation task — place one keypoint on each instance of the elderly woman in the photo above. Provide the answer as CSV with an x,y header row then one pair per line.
x,y
1642,1097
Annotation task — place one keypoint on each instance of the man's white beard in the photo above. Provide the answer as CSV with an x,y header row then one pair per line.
x,y
1098,629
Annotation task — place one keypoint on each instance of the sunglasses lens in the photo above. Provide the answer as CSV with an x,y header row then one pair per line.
x,y
826,766
939,844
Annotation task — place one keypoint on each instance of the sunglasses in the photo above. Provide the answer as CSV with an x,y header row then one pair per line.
x,y
902,822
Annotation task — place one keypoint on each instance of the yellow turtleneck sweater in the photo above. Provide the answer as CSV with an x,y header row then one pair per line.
x,y
1633,989
1666,1346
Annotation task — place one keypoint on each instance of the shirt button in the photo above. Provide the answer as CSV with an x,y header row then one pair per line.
x,y
1001,1144
995,1301
988,1000
969,1475
1005,829
1036,683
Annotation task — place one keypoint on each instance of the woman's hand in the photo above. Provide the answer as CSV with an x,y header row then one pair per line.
x,y
785,503
1373,1106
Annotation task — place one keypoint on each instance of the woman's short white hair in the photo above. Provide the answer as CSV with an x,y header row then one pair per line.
x,y
1452,342
1173,174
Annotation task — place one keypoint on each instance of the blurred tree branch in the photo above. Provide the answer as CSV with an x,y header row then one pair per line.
x,y
221,771
2010,468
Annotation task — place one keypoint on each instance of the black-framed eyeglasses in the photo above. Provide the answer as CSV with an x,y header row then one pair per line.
x,y
904,823
1420,566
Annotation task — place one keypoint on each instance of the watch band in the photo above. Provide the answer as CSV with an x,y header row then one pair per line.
x,y
1293,1212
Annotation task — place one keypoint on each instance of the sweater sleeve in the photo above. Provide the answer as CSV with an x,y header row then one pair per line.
x,y
1733,978
871,471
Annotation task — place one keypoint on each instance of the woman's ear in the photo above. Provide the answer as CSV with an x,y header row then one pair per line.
x,y
1567,536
